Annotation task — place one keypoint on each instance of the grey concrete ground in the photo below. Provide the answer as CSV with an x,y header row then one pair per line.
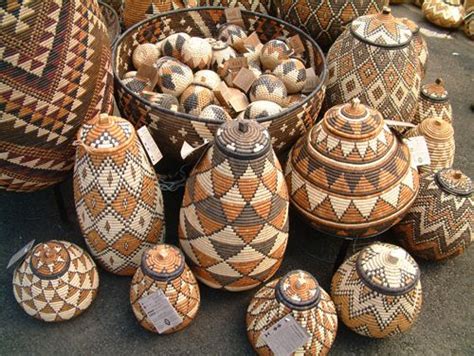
x,y
445,327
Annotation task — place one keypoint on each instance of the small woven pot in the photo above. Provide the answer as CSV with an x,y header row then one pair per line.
x,y
207,78
292,73
215,113
56,281
273,53
221,52
197,53
434,103
233,223
163,268
111,21
145,53
195,98
167,101
350,176
297,294
268,87
377,291
439,137
444,13
172,45
260,109
440,224
117,194
138,10
419,42
233,35
174,77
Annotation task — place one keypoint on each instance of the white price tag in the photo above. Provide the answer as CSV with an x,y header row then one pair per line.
x,y
159,310
150,145
419,150
285,336
187,149
20,254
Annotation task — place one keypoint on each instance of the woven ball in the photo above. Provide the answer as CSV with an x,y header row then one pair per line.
x,y
233,35
207,78
174,77
134,84
261,108
197,53
292,73
195,98
215,113
253,54
294,99
268,87
255,68
166,101
173,45
221,52
273,53
146,53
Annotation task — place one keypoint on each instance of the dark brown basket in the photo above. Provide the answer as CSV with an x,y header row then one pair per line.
x,y
171,129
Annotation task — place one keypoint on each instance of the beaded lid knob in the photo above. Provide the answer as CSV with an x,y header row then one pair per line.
x,y
454,181
298,290
435,91
388,269
105,132
163,262
50,260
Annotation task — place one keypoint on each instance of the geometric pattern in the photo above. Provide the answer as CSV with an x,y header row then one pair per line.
x,y
448,14
195,98
293,74
269,87
421,47
260,109
469,23
260,6
440,224
433,102
55,60
370,312
265,310
117,196
57,281
170,130
273,53
325,20
137,10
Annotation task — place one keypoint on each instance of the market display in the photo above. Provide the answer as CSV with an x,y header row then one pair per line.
x,y
433,103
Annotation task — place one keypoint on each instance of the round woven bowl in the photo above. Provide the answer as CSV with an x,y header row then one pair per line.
x,y
171,129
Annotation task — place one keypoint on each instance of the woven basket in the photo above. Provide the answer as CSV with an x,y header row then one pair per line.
x,y
444,13
433,103
163,268
440,224
55,62
234,217
350,176
419,43
111,21
260,6
117,194
56,281
297,294
170,129
135,11
377,291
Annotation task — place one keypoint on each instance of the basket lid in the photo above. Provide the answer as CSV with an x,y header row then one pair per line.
x,y
105,132
453,181
298,290
50,260
163,262
435,91
412,25
382,30
387,269
244,139
436,129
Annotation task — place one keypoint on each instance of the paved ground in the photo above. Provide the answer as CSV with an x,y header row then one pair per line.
x,y
446,325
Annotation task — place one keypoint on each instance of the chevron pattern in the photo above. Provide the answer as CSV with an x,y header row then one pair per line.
x,y
442,13
261,6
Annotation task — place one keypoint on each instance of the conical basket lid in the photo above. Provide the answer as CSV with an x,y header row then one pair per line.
x,y
298,290
50,260
163,262
435,91
436,129
453,181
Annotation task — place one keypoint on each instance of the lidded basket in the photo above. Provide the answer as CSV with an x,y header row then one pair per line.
x,y
440,224
419,43
444,13
375,61
117,194
56,281
234,217
297,294
163,268
377,291
434,103
350,176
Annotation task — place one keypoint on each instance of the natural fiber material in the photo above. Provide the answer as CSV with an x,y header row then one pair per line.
x,y
173,44
57,281
374,61
145,53
269,87
260,109
433,102
207,78
260,6
163,267
292,73
195,98
444,13
215,112
421,47
138,10
377,291
440,224
55,60
221,52
469,23
439,137
234,217
111,20
117,194
174,77
233,35
170,129
350,176
197,53
298,294
273,53
325,20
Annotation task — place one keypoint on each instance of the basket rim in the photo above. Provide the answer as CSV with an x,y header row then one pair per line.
x,y
179,115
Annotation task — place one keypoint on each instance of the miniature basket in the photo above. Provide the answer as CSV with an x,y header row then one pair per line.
x,y
55,61
117,194
171,129
433,102
56,281
440,224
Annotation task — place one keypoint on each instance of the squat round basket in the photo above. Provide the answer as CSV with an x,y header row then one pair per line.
x,y
171,129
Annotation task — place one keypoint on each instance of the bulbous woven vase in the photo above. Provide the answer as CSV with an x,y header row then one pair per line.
x,y
297,294
56,281
163,268
350,176
234,218
117,194
433,103
377,291
440,224
419,43
444,13
55,60
374,60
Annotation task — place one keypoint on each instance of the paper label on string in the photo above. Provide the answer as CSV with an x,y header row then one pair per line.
x,y
20,253
252,41
233,15
150,145
187,149
222,94
399,123
238,100
312,80
235,64
244,79
285,336
419,150
160,312
148,73
296,44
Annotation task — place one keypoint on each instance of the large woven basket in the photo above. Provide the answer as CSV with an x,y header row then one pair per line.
x,y
170,129
55,74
